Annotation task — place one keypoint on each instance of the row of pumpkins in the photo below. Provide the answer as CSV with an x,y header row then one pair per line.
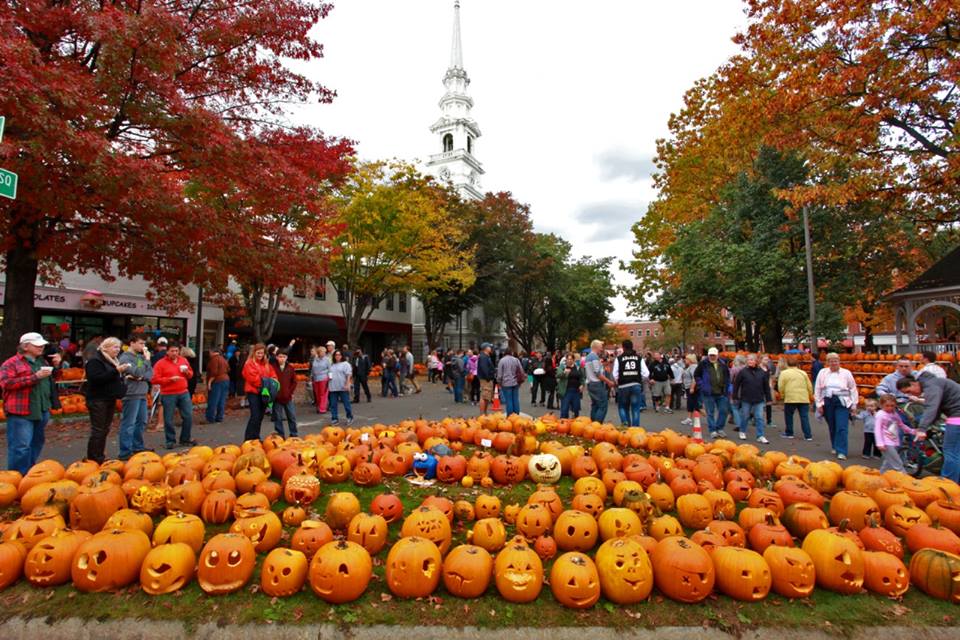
x,y
745,554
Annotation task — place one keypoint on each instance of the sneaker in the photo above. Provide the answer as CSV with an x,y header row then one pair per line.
x,y
772,426
840,456
656,409
743,435
833,452
763,440
668,410
334,422
714,434
349,421
786,436
686,421
809,439
721,434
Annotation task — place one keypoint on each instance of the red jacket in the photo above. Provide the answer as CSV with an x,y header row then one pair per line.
x,y
288,383
165,369
254,372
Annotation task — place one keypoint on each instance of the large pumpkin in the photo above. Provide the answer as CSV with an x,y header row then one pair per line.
x,y
937,574
429,523
574,580
413,567
93,505
837,560
283,573
792,571
742,574
626,575
518,573
167,568
340,571
109,560
12,556
181,527
48,564
226,563
467,570
683,571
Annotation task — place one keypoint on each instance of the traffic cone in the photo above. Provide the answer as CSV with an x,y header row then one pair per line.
x,y
697,431
496,399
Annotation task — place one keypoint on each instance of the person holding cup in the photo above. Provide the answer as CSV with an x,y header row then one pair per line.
x,y
172,374
104,387
27,384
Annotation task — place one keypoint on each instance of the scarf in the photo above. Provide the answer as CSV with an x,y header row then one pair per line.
x,y
108,358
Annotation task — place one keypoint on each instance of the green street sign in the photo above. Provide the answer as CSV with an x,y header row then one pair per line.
x,y
8,184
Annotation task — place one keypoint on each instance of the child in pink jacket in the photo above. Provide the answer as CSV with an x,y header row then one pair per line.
x,y
887,428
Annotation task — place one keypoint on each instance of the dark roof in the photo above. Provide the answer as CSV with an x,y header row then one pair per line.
x,y
944,273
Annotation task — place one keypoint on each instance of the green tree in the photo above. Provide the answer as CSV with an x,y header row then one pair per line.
x,y
578,302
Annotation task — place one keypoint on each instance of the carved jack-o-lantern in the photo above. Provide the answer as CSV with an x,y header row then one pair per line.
x,y
451,468
340,571
885,573
742,574
263,530
619,522
544,468
186,498
575,531
792,571
518,573
34,527
837,560
682,569
303,488
489,534
467,570
48,563
283,573
181,527
369,531
12,556
574,580
310,536
226,563
533,521
217,506
109,560
167,568
387,505
487,506
588,503
413,567
626,575
429,523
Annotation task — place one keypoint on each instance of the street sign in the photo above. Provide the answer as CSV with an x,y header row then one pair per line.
x,y
3,119
8,184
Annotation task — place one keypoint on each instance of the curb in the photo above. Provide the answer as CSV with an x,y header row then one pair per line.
x,y
77,629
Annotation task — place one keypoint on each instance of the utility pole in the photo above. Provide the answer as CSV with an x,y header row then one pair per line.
x,y
811,296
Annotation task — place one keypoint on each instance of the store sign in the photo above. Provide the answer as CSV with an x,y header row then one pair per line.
x,y
73,300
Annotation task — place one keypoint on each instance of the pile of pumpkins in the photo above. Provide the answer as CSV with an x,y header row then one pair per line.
x,y
647,510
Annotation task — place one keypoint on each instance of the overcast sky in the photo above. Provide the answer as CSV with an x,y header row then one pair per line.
x,y
570,96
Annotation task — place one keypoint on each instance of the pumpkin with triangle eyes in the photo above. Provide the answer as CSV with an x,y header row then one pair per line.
x,y
369,531
310,536
226,563
683,571
574,580
109,560
618,522
837,560
518,573
467,570
387,505
742,574
626,575
413,567
792,570
340,571
589,503
167,568
48,563
487,506
30,529
283,573
533,521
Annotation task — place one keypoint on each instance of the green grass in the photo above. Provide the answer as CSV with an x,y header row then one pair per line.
x,y
824,609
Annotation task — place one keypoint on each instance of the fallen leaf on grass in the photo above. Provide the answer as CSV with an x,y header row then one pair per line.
x,y
493,614
899,610
385,597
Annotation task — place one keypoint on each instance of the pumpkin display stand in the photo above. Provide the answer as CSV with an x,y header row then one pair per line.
x,y
520,521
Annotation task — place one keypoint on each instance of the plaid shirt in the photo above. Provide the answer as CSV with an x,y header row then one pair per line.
x,y
17,379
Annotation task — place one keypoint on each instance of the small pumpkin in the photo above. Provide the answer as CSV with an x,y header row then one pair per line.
x,y
369,531
12,556
310,536
168,568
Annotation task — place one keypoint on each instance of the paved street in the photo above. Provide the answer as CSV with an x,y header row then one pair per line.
x,y
67,442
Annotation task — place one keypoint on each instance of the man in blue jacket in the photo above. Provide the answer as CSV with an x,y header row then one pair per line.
x,y
712,379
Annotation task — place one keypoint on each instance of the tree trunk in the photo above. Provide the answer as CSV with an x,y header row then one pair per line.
x,y
773,338
22,266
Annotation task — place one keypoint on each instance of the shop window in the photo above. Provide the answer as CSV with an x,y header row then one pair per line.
x,y
300,289
320,289
341,295
389,299
402,302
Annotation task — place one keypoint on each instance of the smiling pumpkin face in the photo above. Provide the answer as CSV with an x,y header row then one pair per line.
x,y
574,581
518,573
340,571
682,569
48,563
626,575
792,571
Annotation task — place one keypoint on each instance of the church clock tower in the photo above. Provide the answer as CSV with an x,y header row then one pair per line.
x,y
456,131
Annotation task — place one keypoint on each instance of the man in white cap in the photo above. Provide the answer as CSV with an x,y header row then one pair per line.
x,y
27,383
712,378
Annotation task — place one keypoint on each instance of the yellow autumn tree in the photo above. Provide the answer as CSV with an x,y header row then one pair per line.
x,y
395,234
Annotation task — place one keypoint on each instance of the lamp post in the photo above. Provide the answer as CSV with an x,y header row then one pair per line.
x,y
811,297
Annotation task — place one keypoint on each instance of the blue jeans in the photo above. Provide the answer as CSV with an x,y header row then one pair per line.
x,y
570,402
25,440
257,408
344,397
716,408
802,408
757,410
217,401
184,405
510,396
133,420
458,388
389,385
287,410
598,401
629,401
838,421
951,452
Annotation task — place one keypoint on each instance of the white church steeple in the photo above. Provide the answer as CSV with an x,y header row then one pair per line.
x,y
456,132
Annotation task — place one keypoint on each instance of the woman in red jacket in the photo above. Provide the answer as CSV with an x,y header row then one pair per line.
x,y
255,369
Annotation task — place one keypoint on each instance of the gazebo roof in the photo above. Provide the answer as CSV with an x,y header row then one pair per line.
x,y
944,274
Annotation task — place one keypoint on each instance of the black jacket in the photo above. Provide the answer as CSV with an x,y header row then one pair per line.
x,y
752,385
103,380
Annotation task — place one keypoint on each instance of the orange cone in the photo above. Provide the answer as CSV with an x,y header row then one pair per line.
x,y
697,430
496,400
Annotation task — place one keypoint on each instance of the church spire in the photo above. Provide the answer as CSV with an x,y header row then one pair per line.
x,y
456,48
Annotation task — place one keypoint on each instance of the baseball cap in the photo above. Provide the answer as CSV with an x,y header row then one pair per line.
x,y
486,345
161,340
712,351
33,338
